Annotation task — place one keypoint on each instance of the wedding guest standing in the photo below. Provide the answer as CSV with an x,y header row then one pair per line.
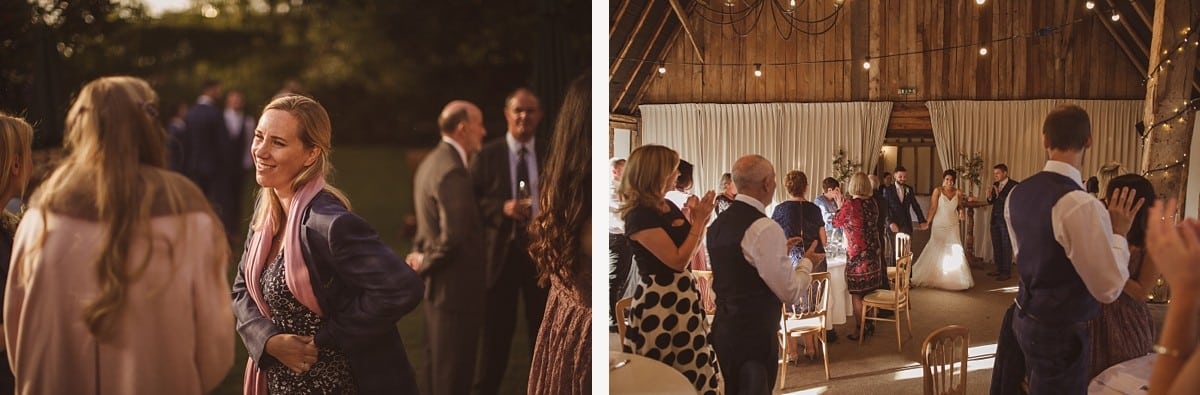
x,y
663,241
800,217
728,193
16,139
1124,330
1001,242
860,218
118,283
561,243
317,294
620,260
1176,249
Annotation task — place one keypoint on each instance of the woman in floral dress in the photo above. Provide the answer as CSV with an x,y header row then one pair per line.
x,y
860,221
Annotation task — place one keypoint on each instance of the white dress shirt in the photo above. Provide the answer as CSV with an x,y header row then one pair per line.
x,y
616,225
514,147
457,148
765,247
1084,230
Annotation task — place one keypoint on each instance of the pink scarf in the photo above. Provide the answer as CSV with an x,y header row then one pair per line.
x,y
295,269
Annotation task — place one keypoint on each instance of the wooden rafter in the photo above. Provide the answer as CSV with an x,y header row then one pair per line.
x,y
612,70
637,70
1141,67
687,29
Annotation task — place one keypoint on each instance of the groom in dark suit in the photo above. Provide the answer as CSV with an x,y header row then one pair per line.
x,y
448,254
1001,244
900,199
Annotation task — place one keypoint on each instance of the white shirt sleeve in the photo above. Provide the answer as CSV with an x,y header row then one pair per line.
x,y
1083,228
765,247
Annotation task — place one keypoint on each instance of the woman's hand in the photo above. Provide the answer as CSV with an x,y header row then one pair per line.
x,y
296,352
1174,249
701,209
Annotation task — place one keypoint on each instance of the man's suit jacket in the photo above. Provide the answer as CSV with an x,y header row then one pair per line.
x,y
490,172
448,233
999,201
897,210
202,148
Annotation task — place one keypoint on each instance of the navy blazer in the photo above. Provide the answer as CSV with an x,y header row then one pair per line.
x,y
999,201
202,149
897,211
490,173
362,287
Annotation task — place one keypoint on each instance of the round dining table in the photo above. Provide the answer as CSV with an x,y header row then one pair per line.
x,y
635,374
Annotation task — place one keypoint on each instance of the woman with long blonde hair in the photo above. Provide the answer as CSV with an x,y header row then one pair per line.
x,y
663,241
118,269
317,294
16,165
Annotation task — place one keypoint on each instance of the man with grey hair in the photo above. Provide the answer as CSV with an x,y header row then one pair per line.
x,y
752,278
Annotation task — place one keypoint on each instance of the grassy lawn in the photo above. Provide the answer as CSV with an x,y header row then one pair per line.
x,y
379,184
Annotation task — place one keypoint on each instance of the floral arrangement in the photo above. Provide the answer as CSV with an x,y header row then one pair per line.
x,y
843,168
971,170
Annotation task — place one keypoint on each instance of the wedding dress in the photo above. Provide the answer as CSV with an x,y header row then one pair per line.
x,y
943,264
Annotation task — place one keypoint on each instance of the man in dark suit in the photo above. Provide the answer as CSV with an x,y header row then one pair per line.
x,y
1001,244
234,160
447,251
900,200
201,141
506,183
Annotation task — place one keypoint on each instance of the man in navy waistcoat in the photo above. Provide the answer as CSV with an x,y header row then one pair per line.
x,y
752,278
1071,256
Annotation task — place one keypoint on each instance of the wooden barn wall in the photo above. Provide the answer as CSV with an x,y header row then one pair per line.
x,y
1080,60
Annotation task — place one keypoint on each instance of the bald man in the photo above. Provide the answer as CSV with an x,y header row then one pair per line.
x,y
448,252
506,177
752,277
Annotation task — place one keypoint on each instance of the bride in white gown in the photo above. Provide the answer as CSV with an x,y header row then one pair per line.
x,y
943,264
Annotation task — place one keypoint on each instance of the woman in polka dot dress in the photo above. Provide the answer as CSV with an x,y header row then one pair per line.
x,y
667,322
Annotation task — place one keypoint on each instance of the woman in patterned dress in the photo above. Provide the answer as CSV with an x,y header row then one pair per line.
x,y
667,322
561,245
860,221
317,295
1124,329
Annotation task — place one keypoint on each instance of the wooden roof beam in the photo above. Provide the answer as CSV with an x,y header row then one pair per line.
x,y
1141,68
640,64
687,29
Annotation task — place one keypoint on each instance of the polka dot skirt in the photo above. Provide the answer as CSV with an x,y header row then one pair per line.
x,y
668,324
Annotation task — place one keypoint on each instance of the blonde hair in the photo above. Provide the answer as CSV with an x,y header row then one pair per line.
x,y
859,185
315,132
16,139
113,173
645,179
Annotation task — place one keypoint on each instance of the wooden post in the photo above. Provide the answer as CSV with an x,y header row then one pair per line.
x,y
1167,92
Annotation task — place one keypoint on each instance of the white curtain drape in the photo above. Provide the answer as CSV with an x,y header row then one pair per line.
x,y
1010,132
793,136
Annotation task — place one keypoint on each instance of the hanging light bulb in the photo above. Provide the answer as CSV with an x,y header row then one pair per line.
x,y
980,2
983,51
758,69
1116,16
662,69
867,63
1090,5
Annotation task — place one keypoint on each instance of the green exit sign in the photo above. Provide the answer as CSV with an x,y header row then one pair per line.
x,y
907,91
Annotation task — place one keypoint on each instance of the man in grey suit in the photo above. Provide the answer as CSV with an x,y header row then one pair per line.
x,y
448,251
506,183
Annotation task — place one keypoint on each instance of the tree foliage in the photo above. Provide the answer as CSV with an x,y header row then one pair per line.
x,y
383,68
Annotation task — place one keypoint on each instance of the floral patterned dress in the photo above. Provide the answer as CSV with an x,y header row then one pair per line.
x,y
331,373
860,222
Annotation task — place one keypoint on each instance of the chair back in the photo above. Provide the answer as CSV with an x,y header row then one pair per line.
x,y
903,245
622,313
903,267
944,360
704,283
816,302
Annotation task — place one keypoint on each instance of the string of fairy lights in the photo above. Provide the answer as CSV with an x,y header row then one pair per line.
x,y
1179,114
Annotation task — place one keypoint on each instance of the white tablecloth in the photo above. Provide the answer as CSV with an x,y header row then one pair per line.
x,y
643,375
1129,377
